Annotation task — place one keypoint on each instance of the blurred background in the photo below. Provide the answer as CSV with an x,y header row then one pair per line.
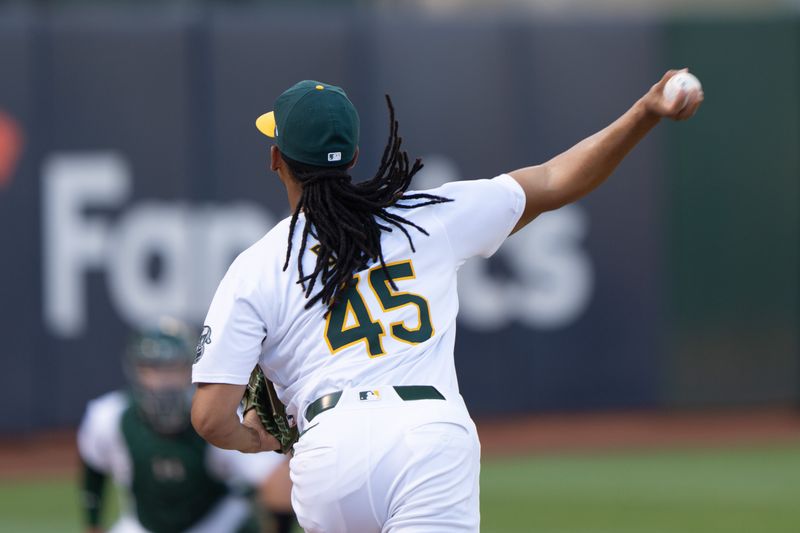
x,y
632,360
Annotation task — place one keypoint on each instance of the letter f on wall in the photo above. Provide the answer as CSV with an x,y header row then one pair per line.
x,y
74,241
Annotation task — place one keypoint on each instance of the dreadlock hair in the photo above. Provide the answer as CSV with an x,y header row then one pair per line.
x,y
347,218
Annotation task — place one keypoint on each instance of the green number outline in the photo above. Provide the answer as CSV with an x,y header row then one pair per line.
x,y
353,302
390,300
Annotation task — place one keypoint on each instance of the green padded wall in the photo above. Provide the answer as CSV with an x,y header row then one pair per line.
x,y
733,231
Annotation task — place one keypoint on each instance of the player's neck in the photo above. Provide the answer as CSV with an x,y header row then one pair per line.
x,y
293,188
293,192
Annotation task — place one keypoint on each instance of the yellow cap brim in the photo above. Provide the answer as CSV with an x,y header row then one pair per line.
x,y
266,124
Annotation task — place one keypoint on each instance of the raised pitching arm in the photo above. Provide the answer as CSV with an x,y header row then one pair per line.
x,y
576,172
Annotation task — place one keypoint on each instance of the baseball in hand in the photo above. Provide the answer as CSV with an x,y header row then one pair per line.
x,y
682,82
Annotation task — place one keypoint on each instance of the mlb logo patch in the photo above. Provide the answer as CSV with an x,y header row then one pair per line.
x,y
334,156
369,395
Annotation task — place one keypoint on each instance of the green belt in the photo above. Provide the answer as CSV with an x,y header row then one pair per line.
x,y
406,392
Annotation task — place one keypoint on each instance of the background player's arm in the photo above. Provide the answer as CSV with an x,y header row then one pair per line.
x,y
214,416
92,493
576,172
97,441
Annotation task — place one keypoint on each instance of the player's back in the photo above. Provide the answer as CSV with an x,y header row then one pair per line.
x,y
376,334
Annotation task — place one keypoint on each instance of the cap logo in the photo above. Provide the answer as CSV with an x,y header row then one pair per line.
x,y
322,131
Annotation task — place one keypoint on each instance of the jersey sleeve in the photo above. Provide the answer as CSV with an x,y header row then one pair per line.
x,y
481,215
230,345
98,432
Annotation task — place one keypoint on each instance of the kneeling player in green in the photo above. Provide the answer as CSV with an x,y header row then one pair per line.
x,y
172,480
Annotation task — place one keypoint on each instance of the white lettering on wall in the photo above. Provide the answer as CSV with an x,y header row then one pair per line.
x,y
166,258
146,231
551,280
190,246
74,241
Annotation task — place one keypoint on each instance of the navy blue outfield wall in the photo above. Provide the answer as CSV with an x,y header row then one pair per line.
x,y
142,176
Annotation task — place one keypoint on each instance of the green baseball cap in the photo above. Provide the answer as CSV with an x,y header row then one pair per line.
x,y
313,123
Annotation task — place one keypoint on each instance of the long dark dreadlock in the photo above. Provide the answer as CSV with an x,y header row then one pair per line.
x,y
347,218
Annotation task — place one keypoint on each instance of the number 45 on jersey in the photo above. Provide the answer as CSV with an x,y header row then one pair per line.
x,y
339,335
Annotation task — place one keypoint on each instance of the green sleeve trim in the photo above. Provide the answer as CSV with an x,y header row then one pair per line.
x,y
94,482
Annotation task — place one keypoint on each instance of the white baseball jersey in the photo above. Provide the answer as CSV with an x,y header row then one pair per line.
x,y
380,336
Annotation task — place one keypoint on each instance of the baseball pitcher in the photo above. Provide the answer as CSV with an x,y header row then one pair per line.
x,y
349,308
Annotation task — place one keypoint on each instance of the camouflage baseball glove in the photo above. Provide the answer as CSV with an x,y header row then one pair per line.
x,y
260,395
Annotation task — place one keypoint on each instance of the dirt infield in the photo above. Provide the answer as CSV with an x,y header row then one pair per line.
x,y
642,430
54,453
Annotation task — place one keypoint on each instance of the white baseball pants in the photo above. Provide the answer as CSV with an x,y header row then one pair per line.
x,y
388,465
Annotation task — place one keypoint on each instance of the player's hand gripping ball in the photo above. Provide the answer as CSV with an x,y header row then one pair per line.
x,y
677,96
683,85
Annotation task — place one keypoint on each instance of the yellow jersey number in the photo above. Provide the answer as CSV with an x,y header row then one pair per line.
x,y
363,328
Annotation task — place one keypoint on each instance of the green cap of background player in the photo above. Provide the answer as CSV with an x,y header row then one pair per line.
x,y
313,123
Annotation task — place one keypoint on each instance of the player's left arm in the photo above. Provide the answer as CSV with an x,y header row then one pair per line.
x,y
96,440
578,171
92,497
228,351
215,417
